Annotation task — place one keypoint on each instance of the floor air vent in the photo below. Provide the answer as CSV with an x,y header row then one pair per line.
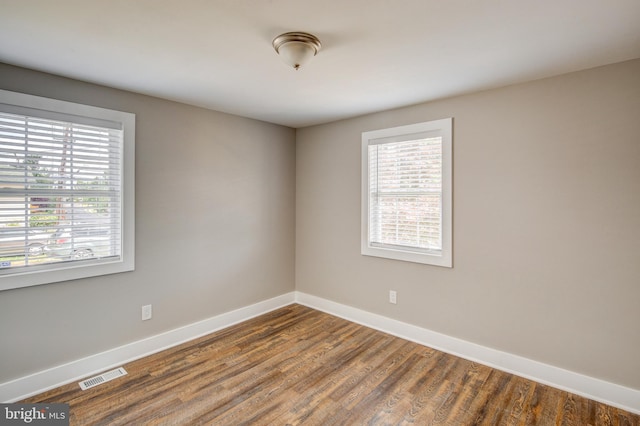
x,y
103,378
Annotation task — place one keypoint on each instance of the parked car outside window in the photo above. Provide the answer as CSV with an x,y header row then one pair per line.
x,y
79,243
18,245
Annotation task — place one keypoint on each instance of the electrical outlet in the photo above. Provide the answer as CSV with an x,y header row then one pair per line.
x,y
392,296
147,312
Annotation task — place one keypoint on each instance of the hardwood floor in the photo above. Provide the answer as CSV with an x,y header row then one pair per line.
x,y
297,365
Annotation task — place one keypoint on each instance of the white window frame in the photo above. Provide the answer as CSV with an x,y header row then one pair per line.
x,y
56,272
443,128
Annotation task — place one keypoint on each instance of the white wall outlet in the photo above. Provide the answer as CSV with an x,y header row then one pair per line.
x,y
393,296
147,312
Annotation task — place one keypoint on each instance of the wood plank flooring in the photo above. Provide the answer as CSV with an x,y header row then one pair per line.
x,y
299,366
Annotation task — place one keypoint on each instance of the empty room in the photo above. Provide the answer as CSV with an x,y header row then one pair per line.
x,y
345,212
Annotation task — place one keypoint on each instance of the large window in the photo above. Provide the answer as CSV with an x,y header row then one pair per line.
x,y
406,193
66,190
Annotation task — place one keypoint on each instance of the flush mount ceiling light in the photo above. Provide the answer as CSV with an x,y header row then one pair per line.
x,y
296,48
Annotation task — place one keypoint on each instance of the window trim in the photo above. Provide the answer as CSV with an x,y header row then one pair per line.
x,y
445,129
57,272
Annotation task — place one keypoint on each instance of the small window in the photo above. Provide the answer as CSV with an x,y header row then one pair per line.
x,y
406,193
66,190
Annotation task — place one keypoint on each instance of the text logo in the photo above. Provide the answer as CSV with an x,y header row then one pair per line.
x,y
34,414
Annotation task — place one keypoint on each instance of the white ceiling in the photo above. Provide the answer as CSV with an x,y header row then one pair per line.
x,y
376,54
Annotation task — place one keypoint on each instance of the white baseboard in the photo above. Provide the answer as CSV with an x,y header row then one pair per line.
x,y
599,390
42,381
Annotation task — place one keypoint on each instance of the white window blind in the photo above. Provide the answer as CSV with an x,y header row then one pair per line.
x,y
61,192
407,193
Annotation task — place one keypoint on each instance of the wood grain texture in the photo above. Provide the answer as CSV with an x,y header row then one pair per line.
x,y
299,366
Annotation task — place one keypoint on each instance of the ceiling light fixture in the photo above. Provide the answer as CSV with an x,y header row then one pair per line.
x,y
296,48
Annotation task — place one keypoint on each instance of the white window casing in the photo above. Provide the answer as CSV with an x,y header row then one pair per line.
x,y
407,193
66,190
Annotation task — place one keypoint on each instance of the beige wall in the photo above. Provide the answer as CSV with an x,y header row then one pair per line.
x,y
546,222
214,214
